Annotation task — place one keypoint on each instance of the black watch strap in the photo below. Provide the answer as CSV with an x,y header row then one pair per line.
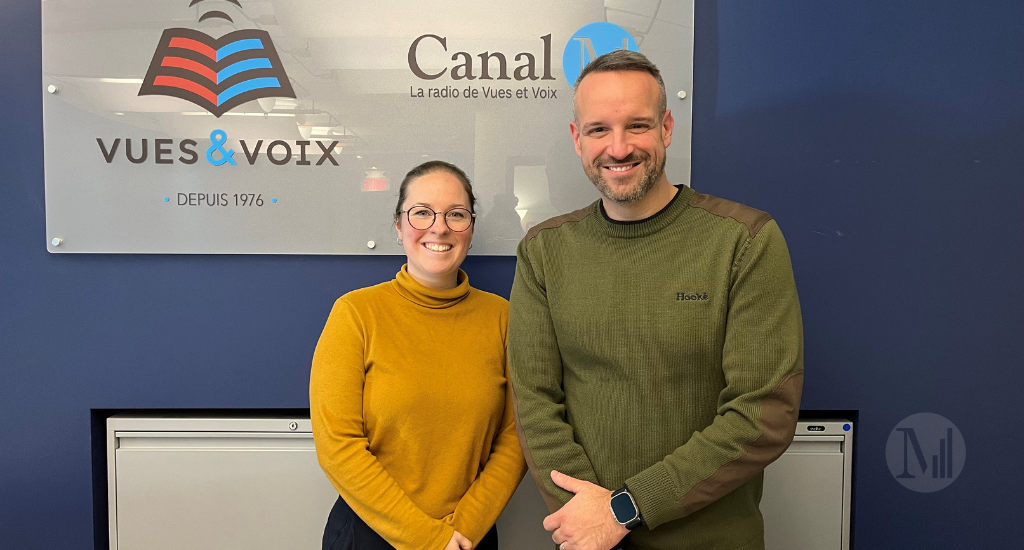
x,y
625,510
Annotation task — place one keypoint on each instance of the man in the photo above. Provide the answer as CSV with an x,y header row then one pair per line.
x,y
655,341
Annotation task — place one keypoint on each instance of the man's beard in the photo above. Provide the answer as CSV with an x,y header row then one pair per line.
x,y
645,183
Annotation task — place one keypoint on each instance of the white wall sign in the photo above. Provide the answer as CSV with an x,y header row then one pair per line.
x,y
284,127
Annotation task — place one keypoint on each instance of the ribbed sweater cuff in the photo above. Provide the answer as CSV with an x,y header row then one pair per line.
x,y
441,540
654,495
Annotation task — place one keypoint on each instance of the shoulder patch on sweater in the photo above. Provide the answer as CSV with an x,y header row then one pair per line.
x,y
557,221
753,218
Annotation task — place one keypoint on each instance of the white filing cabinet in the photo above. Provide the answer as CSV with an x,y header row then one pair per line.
x,y
254,483
214,483
806,500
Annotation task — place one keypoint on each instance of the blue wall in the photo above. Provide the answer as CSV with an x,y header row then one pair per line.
x,y
887,138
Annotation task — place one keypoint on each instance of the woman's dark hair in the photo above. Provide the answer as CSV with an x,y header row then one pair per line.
x,y
430,167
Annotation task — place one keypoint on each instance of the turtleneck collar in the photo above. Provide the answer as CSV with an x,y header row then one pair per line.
x,y
421,295
647,226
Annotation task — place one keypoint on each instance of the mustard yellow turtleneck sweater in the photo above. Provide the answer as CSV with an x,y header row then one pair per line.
x,y
412,412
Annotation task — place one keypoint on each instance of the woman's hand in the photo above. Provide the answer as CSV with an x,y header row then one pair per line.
x,y
459,542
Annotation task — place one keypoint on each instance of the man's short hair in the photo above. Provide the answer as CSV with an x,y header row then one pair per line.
x,y
623,60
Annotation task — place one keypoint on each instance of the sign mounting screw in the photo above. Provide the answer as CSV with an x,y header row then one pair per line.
x,y
52,89
371,244
57,241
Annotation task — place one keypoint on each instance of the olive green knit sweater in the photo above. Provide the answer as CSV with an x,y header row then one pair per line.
x,y
664,354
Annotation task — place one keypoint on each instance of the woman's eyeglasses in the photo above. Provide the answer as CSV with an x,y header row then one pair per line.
x,y
457,219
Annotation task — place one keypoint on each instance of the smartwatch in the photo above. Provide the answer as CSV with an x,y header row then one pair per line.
x,y
624,509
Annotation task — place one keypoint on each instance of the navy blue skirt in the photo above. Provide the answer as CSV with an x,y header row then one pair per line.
x,y
347,531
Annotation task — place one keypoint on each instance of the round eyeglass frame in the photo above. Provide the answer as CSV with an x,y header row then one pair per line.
x,y
472,218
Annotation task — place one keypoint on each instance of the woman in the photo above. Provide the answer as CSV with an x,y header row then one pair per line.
x,y
412,414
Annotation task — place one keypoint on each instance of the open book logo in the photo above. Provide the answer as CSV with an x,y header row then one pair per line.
x,y
217,74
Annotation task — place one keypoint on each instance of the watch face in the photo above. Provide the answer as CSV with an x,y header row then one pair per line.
x,y
623,508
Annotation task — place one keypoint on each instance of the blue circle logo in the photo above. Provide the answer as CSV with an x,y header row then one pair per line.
x,y
925,452
589,43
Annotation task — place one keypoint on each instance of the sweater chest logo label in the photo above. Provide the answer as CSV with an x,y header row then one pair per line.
x,y
694,296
